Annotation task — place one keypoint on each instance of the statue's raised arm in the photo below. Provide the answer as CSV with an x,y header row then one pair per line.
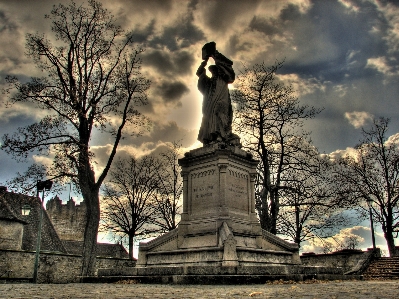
x,y
217,112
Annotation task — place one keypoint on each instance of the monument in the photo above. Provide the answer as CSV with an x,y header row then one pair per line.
x,y
219,237
219,226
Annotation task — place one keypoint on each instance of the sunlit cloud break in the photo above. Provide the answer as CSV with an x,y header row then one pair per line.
x,y
358,118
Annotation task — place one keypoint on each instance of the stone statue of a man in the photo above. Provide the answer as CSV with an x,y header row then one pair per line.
x,y
217,112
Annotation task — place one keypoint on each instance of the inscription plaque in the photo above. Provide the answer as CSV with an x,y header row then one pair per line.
x,y
237,190
201,192
204,191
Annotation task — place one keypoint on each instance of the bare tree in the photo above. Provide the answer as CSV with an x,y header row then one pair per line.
x,y
352,242
372,174
92,84
308,210
170,188
347,241
270,118
130,208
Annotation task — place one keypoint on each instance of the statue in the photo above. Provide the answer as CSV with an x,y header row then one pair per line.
x,y
217,112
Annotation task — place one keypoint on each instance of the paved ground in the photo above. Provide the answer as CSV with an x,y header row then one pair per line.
x,y
337,289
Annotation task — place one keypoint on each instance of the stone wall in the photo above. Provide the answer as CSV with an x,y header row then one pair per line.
x,y
346,259
11,234
68,219
53,267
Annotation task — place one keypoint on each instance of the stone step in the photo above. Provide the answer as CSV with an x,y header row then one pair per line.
x,y
384,268
376,272
386,263
218,279
381,271
380,277
379,266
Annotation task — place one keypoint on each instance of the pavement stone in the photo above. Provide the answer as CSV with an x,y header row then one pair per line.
x,y
129,289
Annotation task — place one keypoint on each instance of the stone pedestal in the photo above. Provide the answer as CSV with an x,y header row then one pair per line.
x,y
218,225
219,239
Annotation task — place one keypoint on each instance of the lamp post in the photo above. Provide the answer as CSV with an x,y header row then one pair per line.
x,y
369,204
41,186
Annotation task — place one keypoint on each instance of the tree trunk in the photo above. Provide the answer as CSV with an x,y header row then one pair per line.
x,y
274,210
131,246
388,234
90,236
298,226
263,211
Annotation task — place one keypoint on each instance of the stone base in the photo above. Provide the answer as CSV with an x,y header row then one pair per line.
x,y
226,249
220,275
218,279
219,233
215,257
274,270
218,225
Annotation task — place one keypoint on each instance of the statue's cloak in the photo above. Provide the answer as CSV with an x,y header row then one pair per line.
x,y
217,112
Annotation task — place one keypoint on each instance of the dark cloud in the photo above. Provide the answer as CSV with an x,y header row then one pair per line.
x,y
182,34
221,15
171,92
160,60
321,41
160,24
267,26
140,35
6,23
10,38
167,63
331,130
290,13
29,15
235,45
130,6
164,132
8,124
127,12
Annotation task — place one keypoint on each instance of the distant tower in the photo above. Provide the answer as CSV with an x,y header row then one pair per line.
x,y
68,219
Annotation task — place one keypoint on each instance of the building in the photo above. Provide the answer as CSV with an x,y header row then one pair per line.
x,y
13,203
69,222
68,219
62,226
11,226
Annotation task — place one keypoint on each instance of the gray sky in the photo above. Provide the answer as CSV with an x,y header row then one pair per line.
x,y
340,55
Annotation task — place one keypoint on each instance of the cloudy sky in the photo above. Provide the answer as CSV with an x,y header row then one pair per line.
x,y
340,55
